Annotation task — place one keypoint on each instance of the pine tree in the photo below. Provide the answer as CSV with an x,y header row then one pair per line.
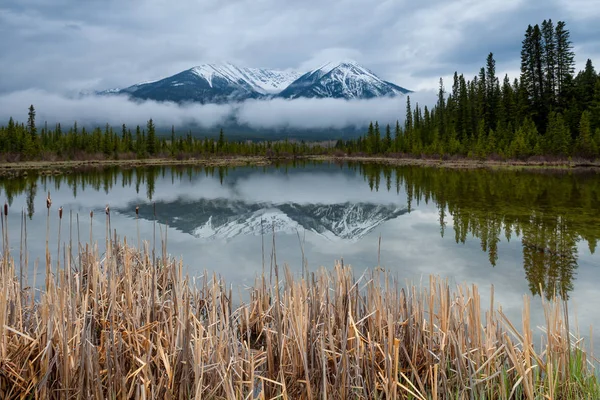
x,y
387,144
397,138
565,58
528,64
532,73
557,138
492,93
597,141
595,107
172,140
107,140
221,142
549,46
370,142
151,138
463,128
11,135
585,146
377,144
491,143
31,142
408,124
585,83
140,146
441,111
519,147
31,123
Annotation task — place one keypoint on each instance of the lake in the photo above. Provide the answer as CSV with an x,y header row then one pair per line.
x,y
525,233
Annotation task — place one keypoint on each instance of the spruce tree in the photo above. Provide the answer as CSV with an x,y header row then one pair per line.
x,y
408,123
151,138
463,127
441,111
30,144
369,143
377,143
549,46
557,140
532,73
585,83
595,107
565,58
172,140
492,93
31,123
387,144
397,138
519,147
124,138
221,142
11,135
140,146
584,145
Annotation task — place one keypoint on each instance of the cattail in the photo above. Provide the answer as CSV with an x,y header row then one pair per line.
x,y
5,209
60,213
92,214
137,210
107,210
48,201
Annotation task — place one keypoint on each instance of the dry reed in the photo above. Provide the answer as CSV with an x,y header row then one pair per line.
x,y
130,325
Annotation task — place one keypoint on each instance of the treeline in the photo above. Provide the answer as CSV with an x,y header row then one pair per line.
x,y
546,111
26,142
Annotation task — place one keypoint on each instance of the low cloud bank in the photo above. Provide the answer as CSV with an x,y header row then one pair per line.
x,y
256,114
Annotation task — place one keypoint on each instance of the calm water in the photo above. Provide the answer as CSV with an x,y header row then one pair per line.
x,y
516,230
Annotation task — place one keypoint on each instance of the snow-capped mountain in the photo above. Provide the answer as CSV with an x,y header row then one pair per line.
x,y
223,83
346,79
211,83
226,219
265,81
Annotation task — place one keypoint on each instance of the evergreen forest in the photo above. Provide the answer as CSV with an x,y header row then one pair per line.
x,y
549,112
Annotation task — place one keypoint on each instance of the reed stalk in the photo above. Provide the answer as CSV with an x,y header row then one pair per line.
x,y
130,325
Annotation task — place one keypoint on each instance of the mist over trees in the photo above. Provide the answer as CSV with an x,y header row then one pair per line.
x,y
547,111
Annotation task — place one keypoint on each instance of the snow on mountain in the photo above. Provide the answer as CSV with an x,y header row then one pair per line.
x,y
349,222
252,224
226,219
262,80
223,83
344,79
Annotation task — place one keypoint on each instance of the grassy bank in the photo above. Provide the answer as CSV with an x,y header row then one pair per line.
x,y
128,323
65,166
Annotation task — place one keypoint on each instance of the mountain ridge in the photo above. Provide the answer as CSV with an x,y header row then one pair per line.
x,y
227,83
226,219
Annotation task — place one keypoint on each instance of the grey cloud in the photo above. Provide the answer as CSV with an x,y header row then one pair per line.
x,y
121,43
114,110
273,114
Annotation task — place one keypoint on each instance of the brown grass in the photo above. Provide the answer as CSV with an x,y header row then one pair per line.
x,y
123,325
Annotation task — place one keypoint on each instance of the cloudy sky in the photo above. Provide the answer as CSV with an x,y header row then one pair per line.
x,y
65,46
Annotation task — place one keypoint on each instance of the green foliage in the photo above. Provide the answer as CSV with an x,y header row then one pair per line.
x,y
558,137
545,111
585,145
151,140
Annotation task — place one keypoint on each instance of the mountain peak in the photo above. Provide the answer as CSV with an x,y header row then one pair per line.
x,y
345,79
227,82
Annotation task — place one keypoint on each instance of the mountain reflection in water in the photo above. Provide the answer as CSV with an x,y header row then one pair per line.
x,y
555,215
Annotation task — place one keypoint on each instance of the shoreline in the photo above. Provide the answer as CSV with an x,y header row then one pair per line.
x,y
16,169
